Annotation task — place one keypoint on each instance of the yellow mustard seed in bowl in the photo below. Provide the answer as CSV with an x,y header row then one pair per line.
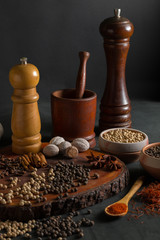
x,y
123,136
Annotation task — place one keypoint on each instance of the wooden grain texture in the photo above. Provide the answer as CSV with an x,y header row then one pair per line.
x,y
25,122
81,78
115,108
74,118
108,184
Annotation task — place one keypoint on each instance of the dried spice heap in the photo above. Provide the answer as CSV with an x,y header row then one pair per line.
x,y
150,198
108,162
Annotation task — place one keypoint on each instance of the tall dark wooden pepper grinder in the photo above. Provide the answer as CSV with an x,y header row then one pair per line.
x,y
115,105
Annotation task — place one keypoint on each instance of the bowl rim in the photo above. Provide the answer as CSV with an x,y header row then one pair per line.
x,y
120,143
149,146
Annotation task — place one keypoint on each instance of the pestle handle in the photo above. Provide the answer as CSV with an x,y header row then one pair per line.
x,y
81,78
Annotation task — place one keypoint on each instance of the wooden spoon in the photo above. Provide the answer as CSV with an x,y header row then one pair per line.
x,y
81,78
125,200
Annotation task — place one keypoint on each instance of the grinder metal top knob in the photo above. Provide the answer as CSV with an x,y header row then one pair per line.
x,y
115,105
117,27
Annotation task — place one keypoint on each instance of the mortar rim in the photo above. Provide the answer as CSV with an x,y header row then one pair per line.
x,y
94,95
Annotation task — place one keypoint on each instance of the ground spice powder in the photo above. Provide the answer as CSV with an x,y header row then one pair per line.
x,y
117,208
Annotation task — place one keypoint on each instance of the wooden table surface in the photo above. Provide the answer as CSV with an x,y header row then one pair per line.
x,y
145,117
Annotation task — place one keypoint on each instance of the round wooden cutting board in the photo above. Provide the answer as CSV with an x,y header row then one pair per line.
x,y
108,184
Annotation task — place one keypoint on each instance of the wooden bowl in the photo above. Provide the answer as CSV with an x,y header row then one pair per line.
x,y
149,163
127,152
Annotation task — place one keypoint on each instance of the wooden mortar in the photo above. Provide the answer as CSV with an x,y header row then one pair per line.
x,y
74,110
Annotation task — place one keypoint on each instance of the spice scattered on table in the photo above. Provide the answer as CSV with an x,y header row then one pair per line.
x,y
62,227
13,229
123,136
51,228
108,162
153,151
89,211
150,202
151,197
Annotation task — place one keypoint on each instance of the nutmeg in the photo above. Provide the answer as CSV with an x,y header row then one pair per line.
x,y
81,143
71,152
50,150
57,140
63,146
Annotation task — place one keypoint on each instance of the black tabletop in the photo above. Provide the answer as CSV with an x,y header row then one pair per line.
x,y
145,117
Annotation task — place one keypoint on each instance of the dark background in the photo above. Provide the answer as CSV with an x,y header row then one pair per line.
x,y
52,32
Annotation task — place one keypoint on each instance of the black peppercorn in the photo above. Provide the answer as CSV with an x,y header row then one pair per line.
x,y
81,234
89,211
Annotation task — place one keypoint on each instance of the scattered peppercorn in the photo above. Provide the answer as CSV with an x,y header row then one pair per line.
x,y
55,227
61,228
89,211
96,175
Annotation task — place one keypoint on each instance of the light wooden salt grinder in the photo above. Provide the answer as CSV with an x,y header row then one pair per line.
x,y
115,105
25,123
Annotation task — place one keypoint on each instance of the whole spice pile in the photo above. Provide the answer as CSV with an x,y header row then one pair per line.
x,y
58,145
32,160
123,136
10,166
67,177
61,178
51,228
108,162
18,166
153,151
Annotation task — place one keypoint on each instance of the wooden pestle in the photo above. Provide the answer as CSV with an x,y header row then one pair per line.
x,y
81,78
